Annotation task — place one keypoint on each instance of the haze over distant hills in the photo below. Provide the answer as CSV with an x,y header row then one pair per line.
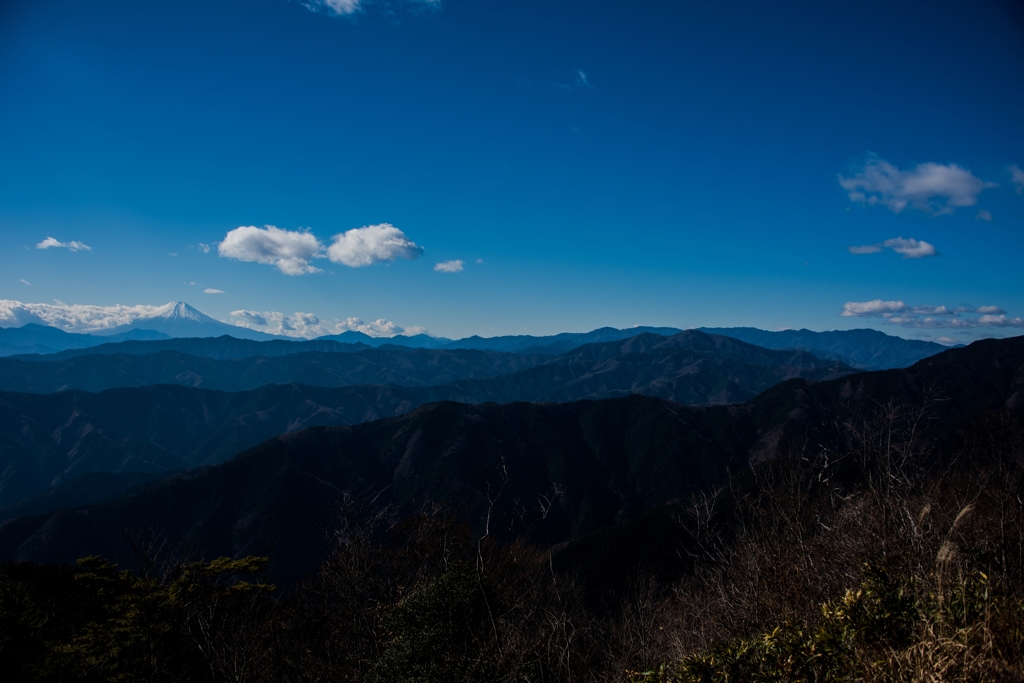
x,y
863,349
41,339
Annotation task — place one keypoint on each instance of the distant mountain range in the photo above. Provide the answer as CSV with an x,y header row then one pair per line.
x,y
690,367
175,322
862,349
48,439
40,339
600,462
398,366
178,319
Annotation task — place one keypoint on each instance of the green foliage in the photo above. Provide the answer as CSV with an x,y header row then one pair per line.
x,y
868,630
108,624
434,632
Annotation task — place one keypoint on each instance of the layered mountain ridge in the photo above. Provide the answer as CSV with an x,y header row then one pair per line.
x,y
601,461
862,349
49,439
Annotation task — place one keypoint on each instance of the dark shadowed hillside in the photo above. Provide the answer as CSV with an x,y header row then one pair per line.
x,y
600,462
690,367
48,440
209,347
53,438
403,367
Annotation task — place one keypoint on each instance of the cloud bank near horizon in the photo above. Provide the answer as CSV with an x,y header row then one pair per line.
x,y
930,317
309,326
70,317
84,318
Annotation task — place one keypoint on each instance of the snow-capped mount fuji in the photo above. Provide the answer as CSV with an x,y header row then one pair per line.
x,y
178,319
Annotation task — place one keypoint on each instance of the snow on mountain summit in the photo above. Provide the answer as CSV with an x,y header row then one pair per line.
x,y
178,319
178,310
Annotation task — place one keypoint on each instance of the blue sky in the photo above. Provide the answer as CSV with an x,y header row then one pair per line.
x,y
589,163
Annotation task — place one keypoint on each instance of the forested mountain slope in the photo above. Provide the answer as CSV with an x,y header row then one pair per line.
x,y
598,462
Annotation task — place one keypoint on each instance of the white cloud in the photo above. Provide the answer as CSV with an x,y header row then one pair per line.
x,y
303,325
308,325
211,290
909,248
999,321
205,248
581,78
73,245
376,328
372,244
455,266
982,215
1017,177
289,250
479,261
249,318
935,188
930,317
26,282
861,309
866,249
70,317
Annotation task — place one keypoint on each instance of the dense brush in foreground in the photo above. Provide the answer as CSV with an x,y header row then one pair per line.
x,y
899,557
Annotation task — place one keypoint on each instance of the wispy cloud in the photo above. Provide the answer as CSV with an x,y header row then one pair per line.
x,y
934,188
26,282
69,317
372,244
290,251
336,7
205,248
909,248
930,317
455,266
983,215
309,326
342,8
1017,177
580,79
73,245
211,290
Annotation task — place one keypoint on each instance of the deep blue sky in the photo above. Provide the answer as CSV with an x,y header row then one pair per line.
x,y
656,163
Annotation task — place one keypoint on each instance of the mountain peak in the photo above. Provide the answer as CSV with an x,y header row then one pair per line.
x,y
177,310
